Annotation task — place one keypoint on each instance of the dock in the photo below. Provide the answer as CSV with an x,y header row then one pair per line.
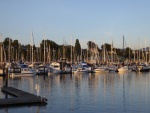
x,y
21,97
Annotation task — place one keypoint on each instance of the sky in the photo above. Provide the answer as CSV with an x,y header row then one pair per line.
x,y
100,21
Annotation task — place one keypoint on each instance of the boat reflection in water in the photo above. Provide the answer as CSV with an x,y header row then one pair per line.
x,y
85,92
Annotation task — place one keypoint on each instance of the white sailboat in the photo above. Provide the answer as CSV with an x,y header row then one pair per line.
x,y
32,55
82,67
101,68
123,68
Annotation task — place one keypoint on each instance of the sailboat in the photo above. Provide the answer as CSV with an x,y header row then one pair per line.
x,y
82,67
54,67
22,70
32,64
101,68
43,69
123,68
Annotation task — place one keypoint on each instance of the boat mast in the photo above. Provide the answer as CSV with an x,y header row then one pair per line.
x,y
123,46
1,48
44,49
9,52
139,51
31,49
53,54
112,52
81,53
18,52
87,52
143,58
49,54
134,54
71,51
64,56
98,55
138,60
129,55
74,57
149,54
145,51
104,53
32,45
40,50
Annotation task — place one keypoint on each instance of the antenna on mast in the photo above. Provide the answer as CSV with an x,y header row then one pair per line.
x,y
32,38
123,45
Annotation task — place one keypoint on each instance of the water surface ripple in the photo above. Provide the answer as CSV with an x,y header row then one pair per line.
x,y
85,93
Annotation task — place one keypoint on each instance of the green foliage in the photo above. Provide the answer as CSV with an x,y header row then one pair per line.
x,y
51,43
92,45
107,46
15,44
127,51
57,51
119,52
77,47
6,42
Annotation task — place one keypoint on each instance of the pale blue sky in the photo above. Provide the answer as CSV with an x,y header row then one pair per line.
x,y
98,20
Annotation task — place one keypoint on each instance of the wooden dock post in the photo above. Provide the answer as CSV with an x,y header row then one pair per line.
x,y
3,71
44,70
6,82
71,69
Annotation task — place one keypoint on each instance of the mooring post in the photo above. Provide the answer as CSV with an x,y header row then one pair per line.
x,y
44,73
44,70
6,80
6,83
71,69
4,72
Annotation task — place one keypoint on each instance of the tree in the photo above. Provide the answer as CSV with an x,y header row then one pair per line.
x,y
92,46
15,44
7,42
128,50
107,46
77,47
119,52
53,46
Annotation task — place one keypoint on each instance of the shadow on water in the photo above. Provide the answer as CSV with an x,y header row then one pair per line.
x,y
23,105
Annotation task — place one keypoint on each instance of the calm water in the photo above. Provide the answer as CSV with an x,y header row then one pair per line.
x,y
85,93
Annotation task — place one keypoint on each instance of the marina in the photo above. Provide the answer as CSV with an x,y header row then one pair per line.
x,y
74,56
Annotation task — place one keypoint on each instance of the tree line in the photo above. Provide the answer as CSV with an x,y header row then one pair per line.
x,y
13,50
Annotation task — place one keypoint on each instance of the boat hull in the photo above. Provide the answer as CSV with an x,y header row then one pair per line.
x,y
21,74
